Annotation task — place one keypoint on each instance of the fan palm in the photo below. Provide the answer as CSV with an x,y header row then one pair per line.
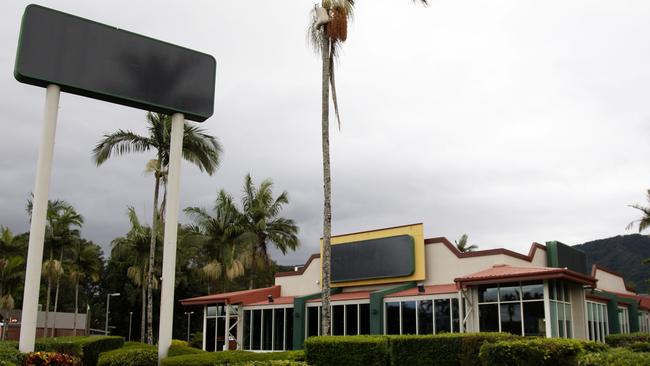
x,y
85,263
644,221
327,31
134,248
461,245
219,238
199,148
261,224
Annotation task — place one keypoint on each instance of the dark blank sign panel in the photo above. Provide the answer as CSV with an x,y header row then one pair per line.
x,y
371,259
572,259
102,62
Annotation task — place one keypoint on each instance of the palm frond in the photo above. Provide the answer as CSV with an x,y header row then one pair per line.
x,y
119,143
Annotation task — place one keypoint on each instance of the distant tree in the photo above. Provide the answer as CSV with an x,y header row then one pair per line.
x,y
644,221
85,264
462,246
199,148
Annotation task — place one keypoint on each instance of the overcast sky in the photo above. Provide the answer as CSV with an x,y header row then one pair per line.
x,y
512,121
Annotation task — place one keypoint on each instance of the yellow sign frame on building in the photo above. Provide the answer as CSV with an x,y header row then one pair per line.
x,y
416,231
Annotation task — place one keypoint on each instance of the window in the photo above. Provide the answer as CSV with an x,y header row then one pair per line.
x,y
429,316
338,320
644,322
597,326
516,308
624,319
560,302
269,329
347,319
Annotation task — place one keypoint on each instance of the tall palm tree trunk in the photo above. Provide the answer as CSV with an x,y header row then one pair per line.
x,y
327,188
56,295
76,307
144,311
152,257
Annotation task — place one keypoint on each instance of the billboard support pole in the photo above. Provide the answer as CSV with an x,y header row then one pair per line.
x,y
38,220
171,228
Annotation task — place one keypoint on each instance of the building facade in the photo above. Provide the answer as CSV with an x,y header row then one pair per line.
x,y
393,281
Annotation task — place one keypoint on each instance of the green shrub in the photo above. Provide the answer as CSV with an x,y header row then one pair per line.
x,y
639,347
9,354
536,352
180,350
87,348
230,357
623,340
444,349
349,350
614,357
196,340
272,363
131,356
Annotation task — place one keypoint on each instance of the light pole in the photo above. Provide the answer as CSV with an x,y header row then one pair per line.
x,y
189,314
130,317
108,304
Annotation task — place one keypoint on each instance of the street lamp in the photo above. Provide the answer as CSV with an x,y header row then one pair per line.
x,y
189,314
108,304
130,317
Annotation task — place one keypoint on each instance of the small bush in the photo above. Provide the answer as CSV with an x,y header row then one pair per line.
x,y
349,351
179,343
230,357
196,340
180,350
614,357
87,348
623,340
131,356
639,347
9,354
536,352
50,359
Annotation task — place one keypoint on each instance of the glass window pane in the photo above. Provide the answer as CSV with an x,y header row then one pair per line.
x,y
267,333
425,317
221,310
210,335
247,329
567,292
560,319
532,290
454,315
289,334
408,317
487,293
212,310
509,292
257,328
312,321
221,332
364,319
488,317
443,316
338,319
534,324
351,318
392,318
511,318
569,323
278,329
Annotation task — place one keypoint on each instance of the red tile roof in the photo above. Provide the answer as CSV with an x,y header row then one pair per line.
x,y
276,301
501,272
428,290
343,296
238,297
644,302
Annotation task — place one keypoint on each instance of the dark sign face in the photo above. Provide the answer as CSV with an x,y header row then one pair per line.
x,y
372,259
572,259
102,62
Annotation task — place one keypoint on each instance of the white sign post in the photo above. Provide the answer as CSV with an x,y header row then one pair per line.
x,y
171,228
37,226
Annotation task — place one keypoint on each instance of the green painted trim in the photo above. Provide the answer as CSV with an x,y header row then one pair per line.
x,y
612,311
377,306
551,254
299,316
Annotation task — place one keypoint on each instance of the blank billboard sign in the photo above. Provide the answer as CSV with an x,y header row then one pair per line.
x,y
563,256
102,62
375,258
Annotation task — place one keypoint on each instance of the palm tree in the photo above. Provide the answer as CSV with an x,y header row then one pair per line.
x,y
12,270
85,263
461,245
60,232
219,238
199,148
134,247
327,31
644,221
262,224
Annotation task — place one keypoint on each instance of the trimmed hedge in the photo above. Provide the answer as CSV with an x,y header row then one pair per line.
x,y
86,348
639,347
9,354
230,357
450,349
349,351
623,340
614,357
179,350
272,363
537,352
131,356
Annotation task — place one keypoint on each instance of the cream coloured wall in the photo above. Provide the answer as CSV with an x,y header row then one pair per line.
x,y
443,266
611,282
300,285
579,318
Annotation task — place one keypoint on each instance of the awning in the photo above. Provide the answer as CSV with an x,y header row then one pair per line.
x,y
505,273
244,297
